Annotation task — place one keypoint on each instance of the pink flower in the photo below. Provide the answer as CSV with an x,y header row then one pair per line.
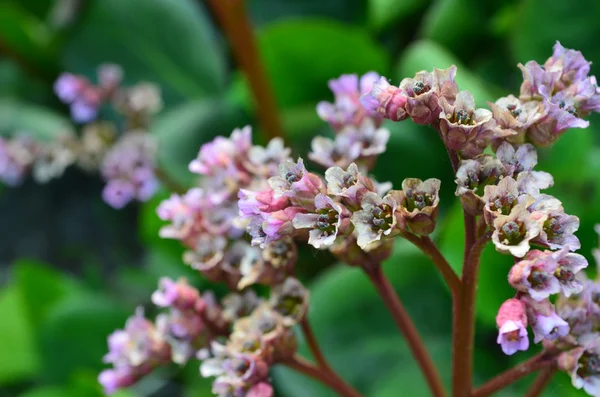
x,y
512,327
387,100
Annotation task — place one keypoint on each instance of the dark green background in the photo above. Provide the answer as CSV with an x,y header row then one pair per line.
x,y
72,268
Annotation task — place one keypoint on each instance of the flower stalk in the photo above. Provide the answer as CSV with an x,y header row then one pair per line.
x,y
408,329
235,23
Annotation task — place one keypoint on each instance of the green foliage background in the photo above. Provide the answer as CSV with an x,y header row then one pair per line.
x,y
72,269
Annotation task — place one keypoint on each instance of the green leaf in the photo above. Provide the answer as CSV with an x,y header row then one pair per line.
x,y
182,130
535,31
356,332
38,122
28,38
41,287
265,11
73,337
181,56
302,55
426,55
20,359
48,391
382,13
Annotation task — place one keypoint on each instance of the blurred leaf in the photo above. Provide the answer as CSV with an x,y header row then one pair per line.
x,y
357,333
426,55
37,122
40,287
302,55
182,130
74,334
186,62
415,151
264,11
382,13
541,23
452,23
27,38
48,391
17,346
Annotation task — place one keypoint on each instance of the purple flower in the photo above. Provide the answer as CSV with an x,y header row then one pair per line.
x,y
535,275
512,327
222,155
83,111
549,327
68,87
571,65
254,203
424,92
118,193
537,83
376,219
558,228
296,183
278,224
583,364
385,99
329,219
464,128
347,108
178,294
569,265
115,379
513,117
500,199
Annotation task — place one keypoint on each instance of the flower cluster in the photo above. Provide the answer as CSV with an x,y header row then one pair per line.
x,y
259,334
553,98
191,322
85,99
128,168
206,219
359,137
22,155
126,160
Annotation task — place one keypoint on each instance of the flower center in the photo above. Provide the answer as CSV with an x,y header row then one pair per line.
x,y
565,275
417,200
589,365
512,336
553,228
419,87
537,278
382,217
511,233
327,220
292,177
503,204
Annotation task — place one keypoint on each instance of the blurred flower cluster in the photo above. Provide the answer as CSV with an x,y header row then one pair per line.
x,y
124,153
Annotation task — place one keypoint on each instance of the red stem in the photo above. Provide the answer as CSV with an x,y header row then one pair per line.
x,y
238,30
544,360
408,329
314,345
328,378
540,383
464,314
429,248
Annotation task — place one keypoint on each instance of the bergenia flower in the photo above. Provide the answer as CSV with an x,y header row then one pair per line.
x,y
329,219
535,275
387,100
349,185
376,219
512,327
513,233
418,204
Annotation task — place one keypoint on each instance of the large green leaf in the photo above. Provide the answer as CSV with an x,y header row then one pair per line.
x,y
357,333
36,121
167,42
542,22
41,287
426,55
382,13
265,11
19,358
73,337
302,55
